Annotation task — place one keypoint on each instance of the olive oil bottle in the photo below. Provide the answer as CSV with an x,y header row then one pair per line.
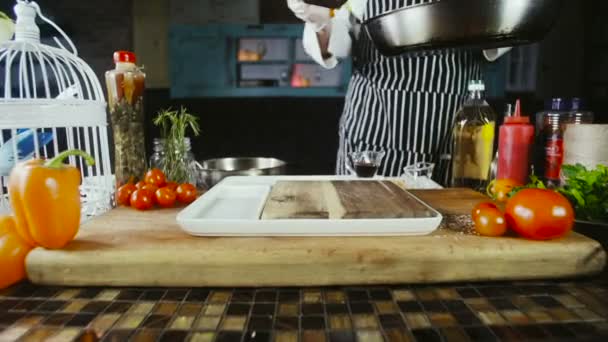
x,y
473,140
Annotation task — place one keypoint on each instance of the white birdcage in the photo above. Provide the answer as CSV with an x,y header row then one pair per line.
x,y
50,101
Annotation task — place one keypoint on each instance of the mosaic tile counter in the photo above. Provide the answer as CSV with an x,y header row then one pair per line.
x,y
568,310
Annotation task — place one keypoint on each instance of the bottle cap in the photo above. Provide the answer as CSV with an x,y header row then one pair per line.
x,y
575,104
558,104
508,109
516,118
477,85
124,57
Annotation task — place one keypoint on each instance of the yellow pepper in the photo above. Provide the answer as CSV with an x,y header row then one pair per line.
x,y
45,197
13,251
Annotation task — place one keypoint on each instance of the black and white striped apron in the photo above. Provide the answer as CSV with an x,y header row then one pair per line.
x,y
403,105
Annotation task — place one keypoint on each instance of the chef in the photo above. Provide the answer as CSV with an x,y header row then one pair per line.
x,y
401,105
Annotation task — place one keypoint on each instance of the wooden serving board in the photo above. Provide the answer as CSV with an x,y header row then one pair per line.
x,y
341,199
130,248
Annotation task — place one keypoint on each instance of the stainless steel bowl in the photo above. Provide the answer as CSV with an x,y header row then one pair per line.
x,y
462,23
214,170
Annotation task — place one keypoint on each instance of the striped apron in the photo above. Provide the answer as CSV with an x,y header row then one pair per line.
x,y
403,105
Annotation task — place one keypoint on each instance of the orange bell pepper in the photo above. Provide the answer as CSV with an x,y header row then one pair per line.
x,y
13,251
45,197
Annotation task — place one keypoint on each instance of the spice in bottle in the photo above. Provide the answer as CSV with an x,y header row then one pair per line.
x,y
553,131
125,85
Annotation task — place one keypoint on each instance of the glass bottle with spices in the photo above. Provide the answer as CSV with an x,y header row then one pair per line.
x,y
553,127
553,132
473,140
125,86
556,107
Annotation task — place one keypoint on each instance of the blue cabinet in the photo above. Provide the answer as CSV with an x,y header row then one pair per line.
x,y
244,60
198,60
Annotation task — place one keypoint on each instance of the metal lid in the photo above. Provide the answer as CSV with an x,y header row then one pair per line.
x,y
477,85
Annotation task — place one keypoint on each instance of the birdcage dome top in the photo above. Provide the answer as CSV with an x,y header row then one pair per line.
x,y
46,84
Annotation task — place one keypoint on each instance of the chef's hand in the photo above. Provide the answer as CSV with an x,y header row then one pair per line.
x,y
317,16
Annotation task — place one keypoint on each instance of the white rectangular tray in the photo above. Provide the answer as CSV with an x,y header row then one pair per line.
x,y
234,206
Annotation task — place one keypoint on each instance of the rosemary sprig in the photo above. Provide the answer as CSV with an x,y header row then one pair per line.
x,y
173,125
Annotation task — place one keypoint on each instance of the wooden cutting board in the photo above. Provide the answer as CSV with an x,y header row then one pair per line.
x,y
351,199
130,248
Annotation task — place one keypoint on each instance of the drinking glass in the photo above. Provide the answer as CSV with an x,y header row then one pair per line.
x,y
365,164
419,175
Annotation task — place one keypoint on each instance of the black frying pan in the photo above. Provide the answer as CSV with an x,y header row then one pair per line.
x,y
459,23
327,3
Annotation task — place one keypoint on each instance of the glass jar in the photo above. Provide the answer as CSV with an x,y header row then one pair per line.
x,y
579,116
176,160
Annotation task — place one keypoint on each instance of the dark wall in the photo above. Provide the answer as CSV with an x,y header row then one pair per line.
x,y
596,57
97,28
303,132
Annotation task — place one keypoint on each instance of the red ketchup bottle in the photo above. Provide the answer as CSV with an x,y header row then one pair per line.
x,y
515,142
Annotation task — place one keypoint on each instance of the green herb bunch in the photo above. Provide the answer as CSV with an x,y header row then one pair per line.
x,y
173,125
587,190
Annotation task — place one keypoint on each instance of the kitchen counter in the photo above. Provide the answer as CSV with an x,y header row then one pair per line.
x,y
562,310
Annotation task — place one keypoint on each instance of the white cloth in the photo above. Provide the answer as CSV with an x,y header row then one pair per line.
x,y
493,54
340,41
316,17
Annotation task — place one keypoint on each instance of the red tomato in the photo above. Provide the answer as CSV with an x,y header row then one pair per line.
x,y
140,184
123,195
142,199
156,177
186,193
150,187
172,186
165,197
490,221
477,210
499,189
539,214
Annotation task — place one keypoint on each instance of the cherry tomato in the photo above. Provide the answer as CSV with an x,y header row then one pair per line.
x,y
13,251
539,214
142,199
490,221
499,189
477,210
186,193
172,186
140,184
156,177
150,187
165,197
123,195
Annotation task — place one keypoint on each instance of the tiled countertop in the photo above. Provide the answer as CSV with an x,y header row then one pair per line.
x,y
565,310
